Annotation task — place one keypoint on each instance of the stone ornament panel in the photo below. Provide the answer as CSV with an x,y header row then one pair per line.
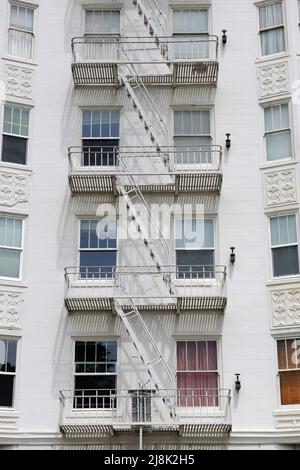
x,y
10,309
286,307
273,79
280,187
19,81
14,188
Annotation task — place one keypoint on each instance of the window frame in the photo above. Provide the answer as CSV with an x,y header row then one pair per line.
x,y
32,33
93,218
271,28
192,7
20,250
28,138
74,374
290,128
274,216
215,339
288,336
103,8
14,374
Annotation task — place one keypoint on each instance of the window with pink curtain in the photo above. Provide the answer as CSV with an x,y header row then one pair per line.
x,y
197,373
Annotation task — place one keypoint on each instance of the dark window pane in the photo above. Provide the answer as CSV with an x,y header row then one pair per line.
x,y
95,392
100,152
195,264
14,149
111,351
90,351
80,368
6,390
3,354
94,382
97,265
101,351
80,351
285,261
11,356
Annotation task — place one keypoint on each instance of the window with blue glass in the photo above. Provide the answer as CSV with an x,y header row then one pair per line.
x,y
195,248
98,248
284,245
95,378
100,137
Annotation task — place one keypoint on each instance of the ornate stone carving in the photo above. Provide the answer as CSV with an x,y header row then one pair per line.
x,y
286,307
14,188
19,81
280,187
10,309
273,79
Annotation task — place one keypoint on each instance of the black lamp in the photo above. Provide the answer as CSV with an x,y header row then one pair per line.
x,y
232,255
224,36
228,141
238,384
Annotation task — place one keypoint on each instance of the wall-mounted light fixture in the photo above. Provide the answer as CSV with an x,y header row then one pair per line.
x,y
232,255
228,141
238,384
224,36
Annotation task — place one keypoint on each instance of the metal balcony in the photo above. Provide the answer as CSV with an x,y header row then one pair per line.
x,y
173,170
191,288
181,60
189,413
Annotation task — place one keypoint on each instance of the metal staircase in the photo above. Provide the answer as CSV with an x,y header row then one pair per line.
x,y
153,16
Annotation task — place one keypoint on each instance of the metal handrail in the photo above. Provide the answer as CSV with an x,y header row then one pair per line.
x,y
167,47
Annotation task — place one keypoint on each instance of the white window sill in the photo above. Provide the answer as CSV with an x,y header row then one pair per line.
x,y
20,60
272,58
12,283
282,281
9,413
15,166
289,410
278,164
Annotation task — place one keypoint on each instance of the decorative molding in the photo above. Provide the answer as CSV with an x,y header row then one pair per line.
x,y
280,187
14,188
19,81
8,424
10,309
286,307
273,79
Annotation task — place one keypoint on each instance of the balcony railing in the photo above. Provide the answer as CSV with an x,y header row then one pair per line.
x,y
180,169
198,411
177,288
183,60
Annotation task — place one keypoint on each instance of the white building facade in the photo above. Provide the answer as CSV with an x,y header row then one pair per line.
x,y
149,224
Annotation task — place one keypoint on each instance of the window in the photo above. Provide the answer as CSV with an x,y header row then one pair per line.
x,y
192,137
8,354
100,137
102,22
20,34
195,248
98,248
10,247
271,29
277,132
197,373
191,22
95,374
289,370
15,135
284,245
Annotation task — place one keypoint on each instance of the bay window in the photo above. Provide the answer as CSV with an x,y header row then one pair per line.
x,y
289,370
10,247
98,248
271,29
195,248
197,373
21,31
15,134
100,137
284,245
8,354
278,132
192,137
95,378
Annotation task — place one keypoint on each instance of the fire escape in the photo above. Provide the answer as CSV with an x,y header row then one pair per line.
x,y
121,62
